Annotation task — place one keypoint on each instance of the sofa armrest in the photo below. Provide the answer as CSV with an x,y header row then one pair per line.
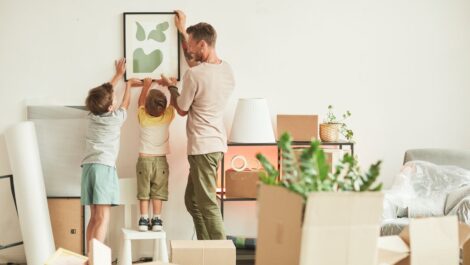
x,y
455,197
462,210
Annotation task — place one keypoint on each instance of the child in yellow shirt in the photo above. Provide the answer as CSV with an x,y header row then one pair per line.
x,y
154,118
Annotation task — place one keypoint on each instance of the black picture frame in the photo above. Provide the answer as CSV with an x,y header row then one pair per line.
x,y
146,38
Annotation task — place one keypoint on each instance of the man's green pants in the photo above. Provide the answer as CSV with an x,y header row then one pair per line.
x,y
200,197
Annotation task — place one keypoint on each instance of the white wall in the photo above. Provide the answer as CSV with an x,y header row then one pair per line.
x,y
400,66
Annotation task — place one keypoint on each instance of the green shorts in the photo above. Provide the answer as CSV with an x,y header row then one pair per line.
x,y
100,185
152,178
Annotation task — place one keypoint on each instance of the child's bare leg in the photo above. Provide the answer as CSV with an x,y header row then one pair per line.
x,y
90,228
144,207
157,207
101,222
157,223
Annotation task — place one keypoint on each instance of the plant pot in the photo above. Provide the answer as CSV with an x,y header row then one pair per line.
x,y
329,132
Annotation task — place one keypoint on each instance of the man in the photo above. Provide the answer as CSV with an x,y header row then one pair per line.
x,y
207,86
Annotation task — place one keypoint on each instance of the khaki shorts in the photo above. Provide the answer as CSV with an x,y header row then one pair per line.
x,y
152,178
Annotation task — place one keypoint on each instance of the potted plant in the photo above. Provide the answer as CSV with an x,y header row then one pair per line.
x,y
308,212
309,173
332,127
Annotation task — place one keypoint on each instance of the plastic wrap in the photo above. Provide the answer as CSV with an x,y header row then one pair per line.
x,y
421,188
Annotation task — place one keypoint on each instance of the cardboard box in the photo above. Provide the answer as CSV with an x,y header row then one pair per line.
x,y
333,156
156,263
341,228
203,252
427,241
241,184
301,127
334,224
279,226
66,257
99,253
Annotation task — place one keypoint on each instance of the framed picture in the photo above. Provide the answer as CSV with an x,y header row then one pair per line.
x,y
151,45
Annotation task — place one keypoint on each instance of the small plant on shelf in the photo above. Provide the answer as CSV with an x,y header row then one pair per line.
x,y
332,127
310,171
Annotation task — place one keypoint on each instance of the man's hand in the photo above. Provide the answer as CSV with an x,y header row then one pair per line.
x,y
180,22
120,66
165,81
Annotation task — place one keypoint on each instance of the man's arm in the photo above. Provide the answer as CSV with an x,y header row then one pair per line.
x,y
145,91
127,94
174,100
171,84
180,22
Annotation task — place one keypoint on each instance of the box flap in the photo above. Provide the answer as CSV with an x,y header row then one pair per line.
x,y
344,208
218,244
157,263
386,257
334,224
183,244
434,241
464,234
66,257
464,242
393,244
99,253
391,250
279,226
405,235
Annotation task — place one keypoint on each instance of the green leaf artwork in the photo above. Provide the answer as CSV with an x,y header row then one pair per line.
x,y
140,33
157,34
146,63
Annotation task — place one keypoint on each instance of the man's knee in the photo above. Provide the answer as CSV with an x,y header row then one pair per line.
x,y
210,210
189,203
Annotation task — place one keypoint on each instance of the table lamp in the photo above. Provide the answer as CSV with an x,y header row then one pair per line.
x,y
252,122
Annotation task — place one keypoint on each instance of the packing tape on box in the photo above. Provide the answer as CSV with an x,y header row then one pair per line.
x,y
244,164
234,160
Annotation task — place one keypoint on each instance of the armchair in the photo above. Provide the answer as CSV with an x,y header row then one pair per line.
x,y
457,202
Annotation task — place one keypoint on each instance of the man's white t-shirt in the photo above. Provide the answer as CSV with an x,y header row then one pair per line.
x,y
206,91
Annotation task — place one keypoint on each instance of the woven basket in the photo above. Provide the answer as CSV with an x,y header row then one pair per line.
x,y
329,132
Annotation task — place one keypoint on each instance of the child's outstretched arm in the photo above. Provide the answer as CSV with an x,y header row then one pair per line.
x,y
120,66
133,82
145,91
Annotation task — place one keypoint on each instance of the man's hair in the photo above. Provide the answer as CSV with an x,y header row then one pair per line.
x,y
155,104
99,99
203,31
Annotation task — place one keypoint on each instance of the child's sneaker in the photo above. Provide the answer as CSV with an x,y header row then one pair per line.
x,y
143,224
157,224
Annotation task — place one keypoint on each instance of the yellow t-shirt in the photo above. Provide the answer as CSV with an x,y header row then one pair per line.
x,y
154,131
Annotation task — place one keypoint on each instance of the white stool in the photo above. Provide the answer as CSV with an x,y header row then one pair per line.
x,y
160,251
128,188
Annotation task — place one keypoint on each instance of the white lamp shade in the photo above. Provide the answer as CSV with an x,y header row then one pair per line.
x,y
252,122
